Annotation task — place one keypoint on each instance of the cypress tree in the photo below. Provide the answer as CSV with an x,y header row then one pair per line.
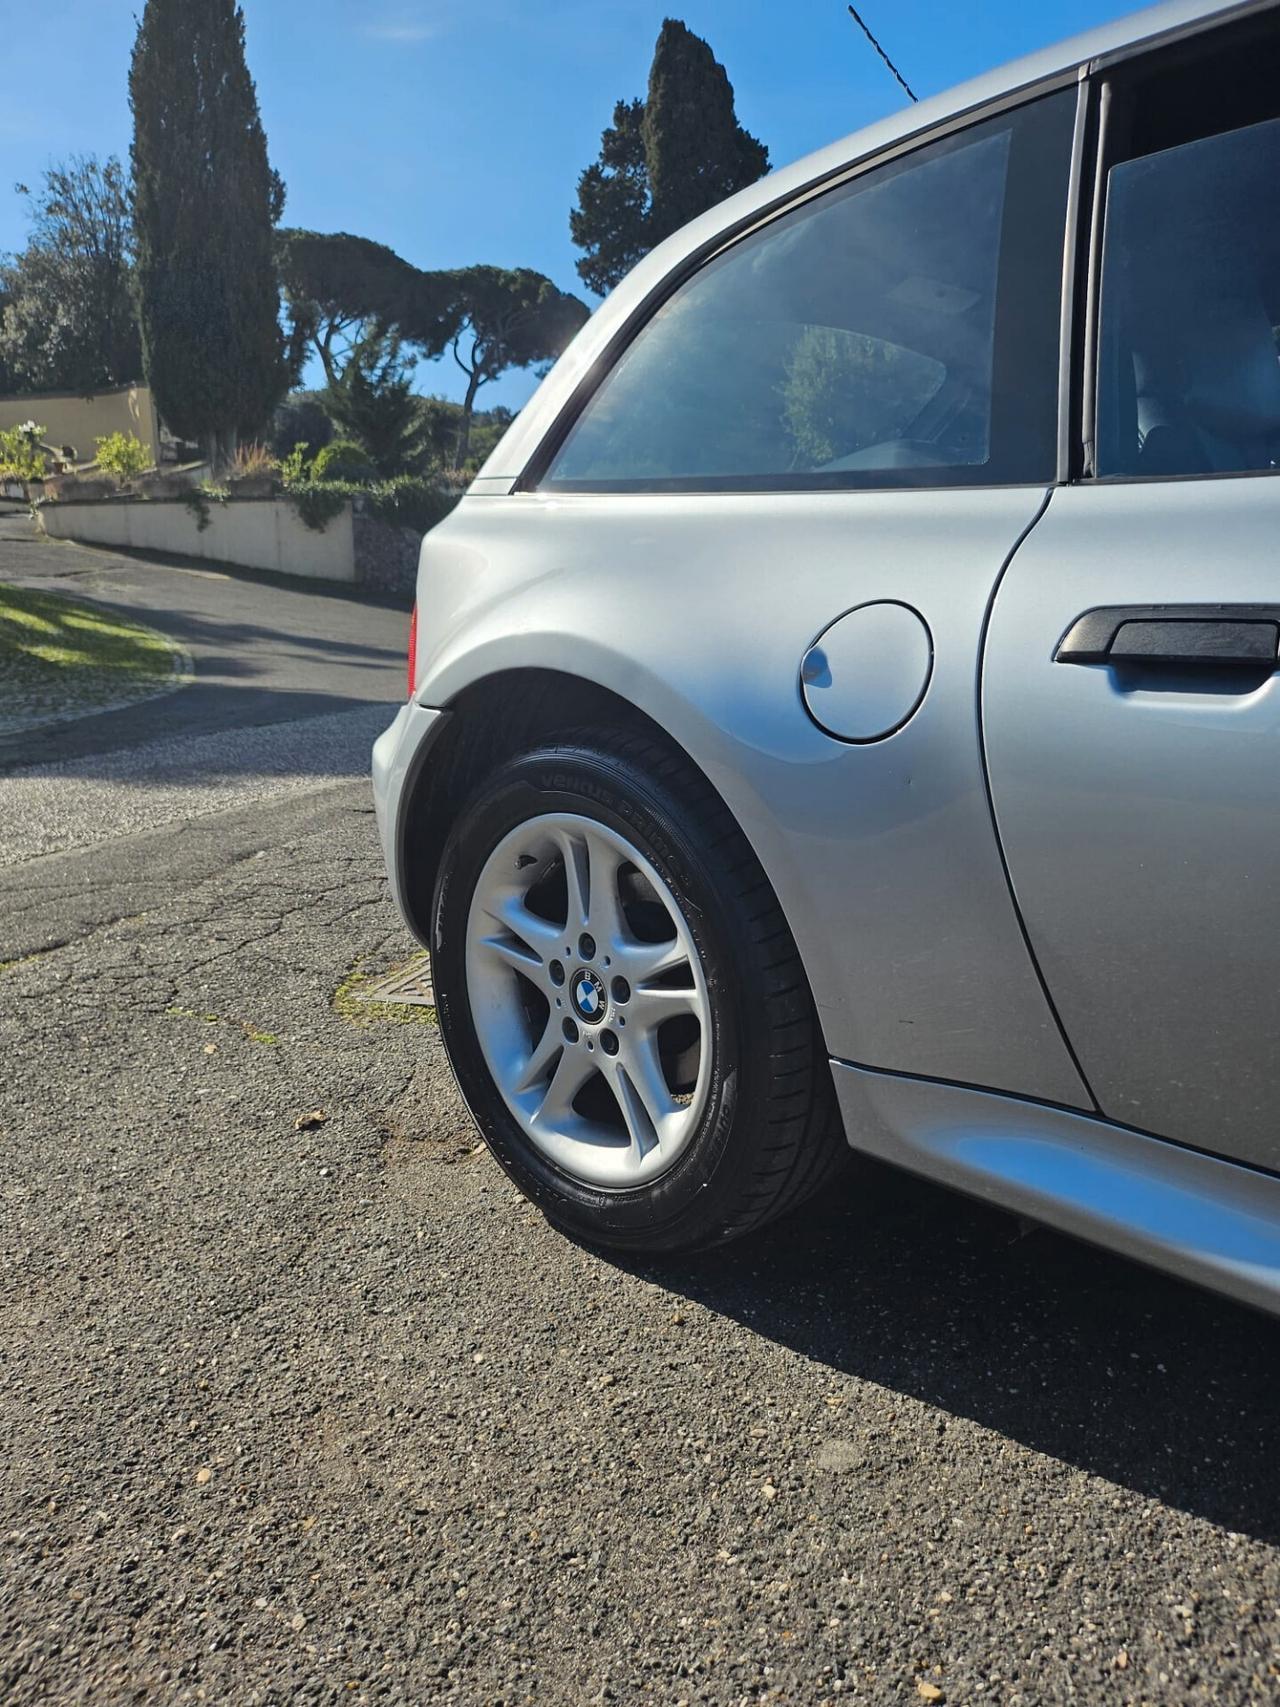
x,y
205,202
611,220
695,150
663,161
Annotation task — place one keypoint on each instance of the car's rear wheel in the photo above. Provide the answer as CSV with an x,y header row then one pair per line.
x,y
622,1001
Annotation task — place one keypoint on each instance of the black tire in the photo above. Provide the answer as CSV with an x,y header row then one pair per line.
x,y
769,1136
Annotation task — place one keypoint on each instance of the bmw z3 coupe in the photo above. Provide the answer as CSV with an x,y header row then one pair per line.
x,y
843,711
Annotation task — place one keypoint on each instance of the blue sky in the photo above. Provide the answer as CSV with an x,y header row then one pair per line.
x,y
454,130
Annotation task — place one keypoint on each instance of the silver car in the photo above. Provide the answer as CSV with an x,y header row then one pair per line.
x,y
843,710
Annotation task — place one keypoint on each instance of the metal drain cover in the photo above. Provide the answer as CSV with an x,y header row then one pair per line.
x,y
408,984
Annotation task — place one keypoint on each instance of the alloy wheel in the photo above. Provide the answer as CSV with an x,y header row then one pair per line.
x,y
589,1000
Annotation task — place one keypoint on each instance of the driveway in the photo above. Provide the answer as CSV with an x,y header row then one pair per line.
x,y
266,649
302,1403
292,682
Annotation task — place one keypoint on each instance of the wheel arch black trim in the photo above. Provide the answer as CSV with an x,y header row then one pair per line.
x,y
488,721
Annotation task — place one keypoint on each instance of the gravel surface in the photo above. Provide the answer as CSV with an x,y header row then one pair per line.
x,y
72,803
312,1412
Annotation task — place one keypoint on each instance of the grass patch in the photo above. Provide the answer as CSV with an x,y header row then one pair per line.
x,y
26,959
59,658
350,1005
251,1032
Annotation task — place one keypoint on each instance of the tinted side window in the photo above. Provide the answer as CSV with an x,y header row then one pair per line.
x,y
898,330
1189,380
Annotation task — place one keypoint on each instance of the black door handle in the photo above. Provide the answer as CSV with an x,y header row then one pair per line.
x,y
1206,636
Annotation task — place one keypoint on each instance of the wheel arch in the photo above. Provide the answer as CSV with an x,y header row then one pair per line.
x,y
489,720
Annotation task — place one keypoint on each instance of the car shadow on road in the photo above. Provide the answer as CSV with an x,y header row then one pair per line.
x,y
232,639
1125,1373
217,709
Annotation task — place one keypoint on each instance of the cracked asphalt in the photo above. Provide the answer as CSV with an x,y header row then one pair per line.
x,y
302,1403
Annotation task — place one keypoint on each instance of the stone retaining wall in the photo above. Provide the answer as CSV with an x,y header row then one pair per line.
x,y
386,556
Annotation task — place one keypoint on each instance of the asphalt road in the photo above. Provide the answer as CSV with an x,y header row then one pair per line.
x,y
291,684
313,1413
266,649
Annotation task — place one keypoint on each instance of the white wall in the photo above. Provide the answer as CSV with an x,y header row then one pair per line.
x,y
256,533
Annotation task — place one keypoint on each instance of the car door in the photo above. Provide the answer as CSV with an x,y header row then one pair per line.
x,y
1130,702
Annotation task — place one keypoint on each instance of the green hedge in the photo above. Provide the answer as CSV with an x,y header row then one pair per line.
x,y
409,502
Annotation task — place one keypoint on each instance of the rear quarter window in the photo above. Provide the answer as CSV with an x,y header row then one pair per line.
x,y
855,340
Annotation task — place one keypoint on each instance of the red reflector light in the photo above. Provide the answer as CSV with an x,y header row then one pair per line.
x,y
413,650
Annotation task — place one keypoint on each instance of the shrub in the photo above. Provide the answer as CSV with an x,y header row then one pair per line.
x,y
20,455
198,498
441,423
407,502
198,504
411,502
342,460
122,454
252,462
374,404
319,501
294,468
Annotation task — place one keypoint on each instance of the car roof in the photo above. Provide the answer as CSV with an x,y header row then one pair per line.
x,y
1172,17
511,455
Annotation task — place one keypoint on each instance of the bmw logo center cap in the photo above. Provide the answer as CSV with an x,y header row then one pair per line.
x,y
588,996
